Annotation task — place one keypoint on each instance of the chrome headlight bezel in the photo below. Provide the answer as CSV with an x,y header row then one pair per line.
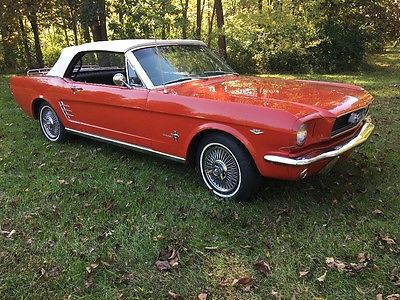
x,y
301,134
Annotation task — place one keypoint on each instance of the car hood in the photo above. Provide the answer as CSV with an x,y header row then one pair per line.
x,y
296,96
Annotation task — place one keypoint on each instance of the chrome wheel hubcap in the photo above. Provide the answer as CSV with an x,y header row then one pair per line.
x,y
50,123
220,169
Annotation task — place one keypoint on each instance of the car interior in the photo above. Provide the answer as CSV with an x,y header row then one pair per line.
x,y
100,68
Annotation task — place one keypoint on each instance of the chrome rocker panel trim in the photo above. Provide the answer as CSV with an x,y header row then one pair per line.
x,y
364,134
126,145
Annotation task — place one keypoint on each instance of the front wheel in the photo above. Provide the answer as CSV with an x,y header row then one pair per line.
x,y
50,124
226,168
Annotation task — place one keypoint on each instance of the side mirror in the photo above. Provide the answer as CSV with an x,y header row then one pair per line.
x,y
119,79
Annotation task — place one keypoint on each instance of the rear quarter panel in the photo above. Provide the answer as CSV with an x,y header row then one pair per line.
x,y
26,90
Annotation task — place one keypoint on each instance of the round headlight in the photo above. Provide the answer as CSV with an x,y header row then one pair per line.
x,y
301,134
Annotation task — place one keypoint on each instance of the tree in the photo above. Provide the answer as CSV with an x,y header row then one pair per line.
x,y
94,15
199,17
184,6
220,23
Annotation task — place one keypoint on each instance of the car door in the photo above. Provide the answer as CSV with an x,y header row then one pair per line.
x,y
95,106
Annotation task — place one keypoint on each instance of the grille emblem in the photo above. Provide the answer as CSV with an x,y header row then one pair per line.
x,y
356,117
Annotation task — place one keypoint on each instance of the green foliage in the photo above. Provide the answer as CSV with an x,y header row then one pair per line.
x,y
284,35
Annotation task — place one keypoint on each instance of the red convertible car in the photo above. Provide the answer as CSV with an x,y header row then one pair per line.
x,y
177,99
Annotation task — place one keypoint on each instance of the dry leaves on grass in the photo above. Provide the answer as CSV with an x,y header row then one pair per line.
x,y
363,261
175,296
263,267
168,259
50,272
202,296
8,234
395,277
322,277
245,283
384,239
304,272
377,212
393,297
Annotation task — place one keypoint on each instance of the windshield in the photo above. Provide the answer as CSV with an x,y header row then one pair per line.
x,y
175,63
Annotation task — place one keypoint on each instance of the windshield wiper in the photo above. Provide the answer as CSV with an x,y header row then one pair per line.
x,y
177,80
219,73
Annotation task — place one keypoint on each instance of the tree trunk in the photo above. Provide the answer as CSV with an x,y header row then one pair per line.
x,y
220,23
210,26
65,29
74,25
260,6
8,49
86,33
25,43
38,49
99,24
199,17
185,7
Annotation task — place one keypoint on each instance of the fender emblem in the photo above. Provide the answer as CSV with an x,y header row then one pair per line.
x,y
256,131
173,135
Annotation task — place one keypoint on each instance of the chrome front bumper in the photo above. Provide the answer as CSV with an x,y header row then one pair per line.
x,y
364,134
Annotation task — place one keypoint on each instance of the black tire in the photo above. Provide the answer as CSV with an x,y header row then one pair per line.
x,y
226,168
50,124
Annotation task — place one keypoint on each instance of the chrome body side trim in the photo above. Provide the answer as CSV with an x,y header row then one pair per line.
x,y
66,110
364,134
126,145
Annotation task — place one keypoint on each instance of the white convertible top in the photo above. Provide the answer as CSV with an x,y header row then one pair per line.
x,y
67,54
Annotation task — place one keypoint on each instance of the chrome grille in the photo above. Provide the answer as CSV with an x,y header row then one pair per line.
x,y
349,120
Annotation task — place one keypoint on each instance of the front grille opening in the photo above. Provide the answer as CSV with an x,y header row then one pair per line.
x,y
348,121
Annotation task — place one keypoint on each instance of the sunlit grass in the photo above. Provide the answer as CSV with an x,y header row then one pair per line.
x,y
85,202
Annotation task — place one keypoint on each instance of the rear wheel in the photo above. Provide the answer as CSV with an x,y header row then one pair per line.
x,y
226,168
50,124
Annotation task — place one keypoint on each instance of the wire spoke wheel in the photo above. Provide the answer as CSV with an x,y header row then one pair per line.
x,y
220,169
50,123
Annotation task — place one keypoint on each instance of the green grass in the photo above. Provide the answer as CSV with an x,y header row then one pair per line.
x,y
77,203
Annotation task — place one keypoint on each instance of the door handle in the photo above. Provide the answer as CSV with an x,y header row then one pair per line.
x,y
76,89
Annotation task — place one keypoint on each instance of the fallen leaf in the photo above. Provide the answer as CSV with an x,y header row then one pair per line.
x,y
54,272
12,232
389,240
242,281
304,272
173,295
225,282
263,267
386,239
322,277
158,238
275,294
393,297
245,283
89,282
395,277
202,296
364,259
162,265
168,259
379,297
329,261
377,212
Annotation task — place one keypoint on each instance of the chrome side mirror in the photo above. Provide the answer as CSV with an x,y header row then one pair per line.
x,y
119,79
